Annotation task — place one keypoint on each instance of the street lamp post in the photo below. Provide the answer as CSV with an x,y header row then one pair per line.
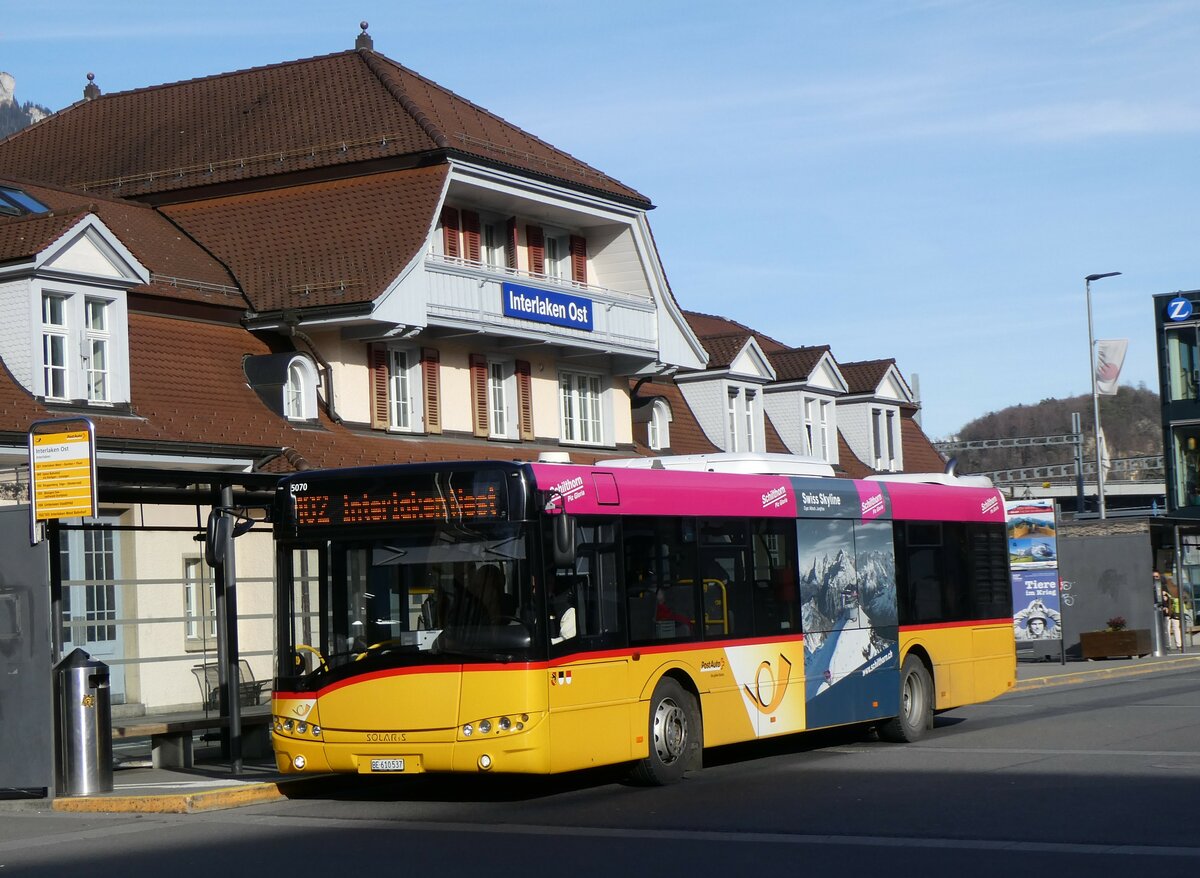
x,y
1095,392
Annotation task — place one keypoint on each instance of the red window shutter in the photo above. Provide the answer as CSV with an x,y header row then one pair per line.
x,y
479,394
579,259
450,231
525,398
432,389
470,225
377,363
510,244
537,249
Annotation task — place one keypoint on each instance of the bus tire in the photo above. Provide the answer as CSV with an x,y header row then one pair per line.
x,y
916,704
674,735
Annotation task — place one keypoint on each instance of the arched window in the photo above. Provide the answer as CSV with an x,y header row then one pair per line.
x,y
300,391
659,426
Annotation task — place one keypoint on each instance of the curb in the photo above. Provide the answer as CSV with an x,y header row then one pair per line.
x,y
176,803
1075,677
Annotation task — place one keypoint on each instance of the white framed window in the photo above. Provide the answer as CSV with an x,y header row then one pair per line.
x,y
883,438
300,390
751,416
658,428
199,604
731,412
491,234
403,381
557,252
96,348
502,394
83,347
816,427
579,408
54,346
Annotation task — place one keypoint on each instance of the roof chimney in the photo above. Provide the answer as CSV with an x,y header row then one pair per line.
x,y
364,40
91,90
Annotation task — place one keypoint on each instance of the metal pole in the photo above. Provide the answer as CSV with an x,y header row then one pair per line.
x,y
1179,588
1095,399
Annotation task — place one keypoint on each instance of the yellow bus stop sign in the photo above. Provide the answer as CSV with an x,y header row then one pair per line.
x,y
62,467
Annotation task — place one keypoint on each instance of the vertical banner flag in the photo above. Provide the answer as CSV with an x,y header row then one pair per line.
x,y
1110,357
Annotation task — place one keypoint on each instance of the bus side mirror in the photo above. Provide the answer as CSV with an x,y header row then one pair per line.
x,y
216,538
564,540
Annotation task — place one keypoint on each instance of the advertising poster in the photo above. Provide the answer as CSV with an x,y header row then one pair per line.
x,y
1036,613
1033,557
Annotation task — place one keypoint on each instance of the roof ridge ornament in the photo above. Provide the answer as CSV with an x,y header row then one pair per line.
x,y
364,40
91,91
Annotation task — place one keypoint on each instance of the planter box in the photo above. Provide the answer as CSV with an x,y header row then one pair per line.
x,y
1107,644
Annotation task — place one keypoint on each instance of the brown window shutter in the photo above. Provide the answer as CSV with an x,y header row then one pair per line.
x,y
537,249
450,232
525,398
377,363
579,259
470,225
432,389
479,394
510,244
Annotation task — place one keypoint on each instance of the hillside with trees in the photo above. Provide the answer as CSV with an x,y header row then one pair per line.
x,y
1131,420
14,116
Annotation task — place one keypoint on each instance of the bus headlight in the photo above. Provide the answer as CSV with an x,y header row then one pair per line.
x,y
485,726
468,730
505,724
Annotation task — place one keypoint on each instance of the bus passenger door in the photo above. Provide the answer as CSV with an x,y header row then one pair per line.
x,y
589,688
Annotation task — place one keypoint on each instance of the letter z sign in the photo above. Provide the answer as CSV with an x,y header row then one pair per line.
x,y
1179,308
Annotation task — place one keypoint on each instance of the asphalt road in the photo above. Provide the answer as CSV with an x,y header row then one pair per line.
x,y
1071,780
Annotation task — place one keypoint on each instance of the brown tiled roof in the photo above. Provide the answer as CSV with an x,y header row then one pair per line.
x,y
705,325
181,268
723,348
314,113
686,435
796,364
864,377
332,243
919,454
24,237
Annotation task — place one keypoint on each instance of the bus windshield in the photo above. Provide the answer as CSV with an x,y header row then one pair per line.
x,y
417,596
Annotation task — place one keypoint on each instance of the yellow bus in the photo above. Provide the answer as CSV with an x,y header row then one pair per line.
x,y
546,617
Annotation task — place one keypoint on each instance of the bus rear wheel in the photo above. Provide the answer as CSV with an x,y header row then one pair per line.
x,y
674,736
916,704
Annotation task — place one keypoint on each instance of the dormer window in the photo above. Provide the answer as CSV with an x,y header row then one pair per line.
x,y
81,344
658,428
300,390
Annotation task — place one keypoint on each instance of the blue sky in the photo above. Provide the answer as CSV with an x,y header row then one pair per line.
x,y
929,181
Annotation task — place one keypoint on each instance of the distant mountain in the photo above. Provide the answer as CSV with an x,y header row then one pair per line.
x,y
1131,420
14,116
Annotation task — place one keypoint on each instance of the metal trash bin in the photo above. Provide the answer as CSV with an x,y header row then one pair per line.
x,y
83,722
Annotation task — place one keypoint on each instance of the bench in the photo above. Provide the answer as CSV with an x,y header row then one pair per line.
x,y
250,691
171,735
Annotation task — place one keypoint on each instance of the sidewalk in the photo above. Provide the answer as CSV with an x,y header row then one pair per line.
x,y
1041,674
210,785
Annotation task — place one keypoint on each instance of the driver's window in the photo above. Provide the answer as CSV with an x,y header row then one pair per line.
x,y
584,602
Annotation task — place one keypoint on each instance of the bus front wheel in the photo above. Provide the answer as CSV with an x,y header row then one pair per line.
x,y
916,704
674,735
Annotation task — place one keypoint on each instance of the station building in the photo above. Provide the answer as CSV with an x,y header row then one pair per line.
x,y
338,262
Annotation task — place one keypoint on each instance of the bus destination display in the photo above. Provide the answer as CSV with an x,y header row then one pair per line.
x,y
407,505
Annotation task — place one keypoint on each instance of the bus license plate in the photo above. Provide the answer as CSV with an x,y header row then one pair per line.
x,y
387,765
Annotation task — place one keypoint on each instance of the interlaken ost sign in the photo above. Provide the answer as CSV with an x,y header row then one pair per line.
x,y
62,470
543,306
